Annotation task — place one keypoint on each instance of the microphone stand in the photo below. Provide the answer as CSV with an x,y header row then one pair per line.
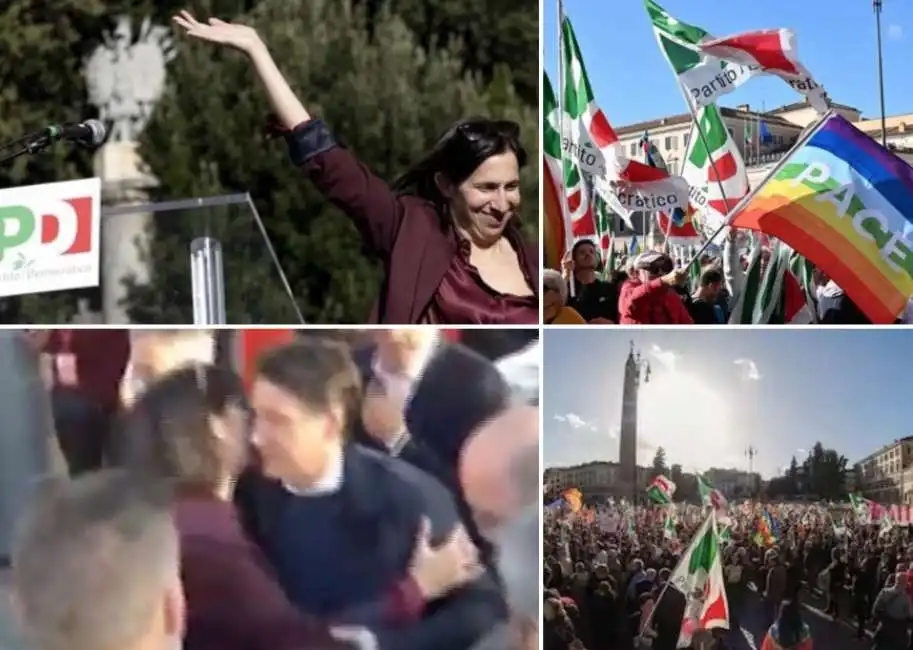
x,y
32,143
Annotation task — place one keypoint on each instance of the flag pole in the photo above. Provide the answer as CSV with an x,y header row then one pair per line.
x,y
565,208
876,5
773,172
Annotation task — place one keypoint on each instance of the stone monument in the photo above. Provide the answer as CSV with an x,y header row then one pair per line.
x,y
637,371
125,78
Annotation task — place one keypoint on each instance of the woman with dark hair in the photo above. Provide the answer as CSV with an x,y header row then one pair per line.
x,y
447,231
191,428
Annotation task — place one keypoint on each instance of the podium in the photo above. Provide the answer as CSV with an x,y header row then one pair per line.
x,y
209,260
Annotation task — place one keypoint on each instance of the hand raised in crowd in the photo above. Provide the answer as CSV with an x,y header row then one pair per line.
x,y
675,278
240,37
567,264
381,415
439,570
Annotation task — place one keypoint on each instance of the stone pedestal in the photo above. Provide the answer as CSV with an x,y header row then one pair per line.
x,y
124,237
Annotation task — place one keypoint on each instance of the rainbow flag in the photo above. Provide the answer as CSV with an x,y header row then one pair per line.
x,y
844,202
765,533
683,231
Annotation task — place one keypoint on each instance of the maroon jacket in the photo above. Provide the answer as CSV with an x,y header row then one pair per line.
x,y
233,600
101,358
404,231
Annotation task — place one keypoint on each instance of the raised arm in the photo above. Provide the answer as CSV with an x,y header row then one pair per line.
x,y
337,174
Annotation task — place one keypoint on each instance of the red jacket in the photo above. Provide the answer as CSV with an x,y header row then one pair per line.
x,y
652,303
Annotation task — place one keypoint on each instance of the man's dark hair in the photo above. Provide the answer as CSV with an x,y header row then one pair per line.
x,y
711,276
320,373
578,244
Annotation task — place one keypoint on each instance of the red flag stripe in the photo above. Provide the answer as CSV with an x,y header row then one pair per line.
x,y
726,167
767,47
585,226
601,131
574,198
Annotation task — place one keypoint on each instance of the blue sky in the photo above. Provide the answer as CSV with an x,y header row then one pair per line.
x,y
633,82
850,389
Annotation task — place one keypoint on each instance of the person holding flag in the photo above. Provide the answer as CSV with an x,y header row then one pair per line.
x,y
650,298
789,631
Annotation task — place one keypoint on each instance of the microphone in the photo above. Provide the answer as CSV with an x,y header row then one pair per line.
x,y
90,132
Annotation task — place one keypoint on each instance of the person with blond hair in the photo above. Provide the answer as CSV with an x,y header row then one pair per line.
x,y
554,301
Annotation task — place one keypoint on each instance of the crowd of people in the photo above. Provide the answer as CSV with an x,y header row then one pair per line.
x,y
654,288
606,570
378,490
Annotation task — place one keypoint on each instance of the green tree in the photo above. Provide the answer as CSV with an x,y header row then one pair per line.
x,y
659,463
494,33
792,476
42,49
384,95
825,471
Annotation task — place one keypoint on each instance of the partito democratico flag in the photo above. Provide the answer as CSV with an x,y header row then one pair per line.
x,y
705,77
714,169
699,578
774,51
626,185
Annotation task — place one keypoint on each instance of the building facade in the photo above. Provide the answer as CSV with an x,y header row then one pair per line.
x,y
886,475
734,483
597,480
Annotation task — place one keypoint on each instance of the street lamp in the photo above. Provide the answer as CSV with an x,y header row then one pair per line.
x,y
876,5
750,453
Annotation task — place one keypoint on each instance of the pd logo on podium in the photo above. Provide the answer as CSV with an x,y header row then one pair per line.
x,y
50,237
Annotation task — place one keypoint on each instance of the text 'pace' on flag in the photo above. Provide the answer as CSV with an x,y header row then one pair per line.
x,y
844,202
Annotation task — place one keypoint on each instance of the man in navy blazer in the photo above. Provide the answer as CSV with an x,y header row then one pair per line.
x,y
338,521
423,398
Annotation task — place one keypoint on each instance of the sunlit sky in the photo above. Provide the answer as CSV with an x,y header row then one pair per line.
x,y
712,393
633,82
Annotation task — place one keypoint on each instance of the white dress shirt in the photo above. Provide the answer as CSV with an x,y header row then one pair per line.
x,y
327,484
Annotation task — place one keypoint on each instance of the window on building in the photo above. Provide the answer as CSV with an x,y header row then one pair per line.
x,y
729,128
633,148
685,140
670,142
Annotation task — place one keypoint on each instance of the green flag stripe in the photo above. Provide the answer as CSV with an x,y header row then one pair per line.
x,y
577,92
551,139
715,134
673,27
704,553
682,58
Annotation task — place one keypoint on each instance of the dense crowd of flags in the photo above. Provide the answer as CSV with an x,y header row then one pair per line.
x,y
837,201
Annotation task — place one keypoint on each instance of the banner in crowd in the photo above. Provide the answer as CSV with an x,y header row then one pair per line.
x,y
844,202
50,237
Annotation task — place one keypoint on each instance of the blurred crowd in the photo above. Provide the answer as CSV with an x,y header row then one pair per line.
x,y
361,490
